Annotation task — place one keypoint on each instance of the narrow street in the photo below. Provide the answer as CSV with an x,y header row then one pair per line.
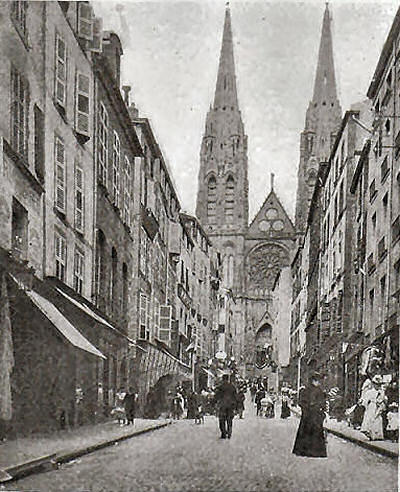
x,y
188,457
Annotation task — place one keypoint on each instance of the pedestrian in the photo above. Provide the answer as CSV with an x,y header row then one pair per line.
x,y
130,406
260,394
285,410
191,405
226,400
253,391
392,429
374,401
178,404
310,438
199,411
240,403
119,411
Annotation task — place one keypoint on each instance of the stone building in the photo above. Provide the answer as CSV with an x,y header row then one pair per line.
x,y
336,270
48,88
352,327
382,247
204,310
161,360
251,254
282,291
323,118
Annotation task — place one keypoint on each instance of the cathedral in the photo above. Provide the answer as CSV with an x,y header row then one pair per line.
x,y
253,253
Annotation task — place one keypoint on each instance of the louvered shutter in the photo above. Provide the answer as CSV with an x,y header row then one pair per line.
x,y
85,21
82,104
164,332
60,71
60,191
79,198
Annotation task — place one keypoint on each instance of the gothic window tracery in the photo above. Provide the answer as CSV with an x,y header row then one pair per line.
x,y
229,198
235,139
263,264
211,198
209,145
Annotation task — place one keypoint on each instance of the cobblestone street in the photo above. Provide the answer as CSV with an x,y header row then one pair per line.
x,y
189,457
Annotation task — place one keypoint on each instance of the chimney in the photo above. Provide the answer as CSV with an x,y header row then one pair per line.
x,y
133,111
126,89
112,52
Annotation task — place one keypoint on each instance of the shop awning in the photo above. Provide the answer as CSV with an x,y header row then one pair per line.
x,y
86,309
62,324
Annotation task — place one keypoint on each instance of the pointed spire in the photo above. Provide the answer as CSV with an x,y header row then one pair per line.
x,y
225,92
325,82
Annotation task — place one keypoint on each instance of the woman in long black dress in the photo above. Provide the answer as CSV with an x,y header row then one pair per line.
x,y
310,439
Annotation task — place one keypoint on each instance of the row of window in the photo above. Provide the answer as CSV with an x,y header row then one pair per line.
x,y
229,199
60,171
155,319
338,207
121,167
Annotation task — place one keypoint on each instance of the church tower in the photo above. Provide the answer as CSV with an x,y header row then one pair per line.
x,y
322,123
222,199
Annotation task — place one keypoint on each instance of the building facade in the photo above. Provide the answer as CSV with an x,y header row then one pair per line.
x,y
92,244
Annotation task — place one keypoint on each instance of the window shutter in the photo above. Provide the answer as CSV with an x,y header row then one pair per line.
x,y
82,104
79,199
60,71
127,192
85,21
96,44
102,151
143,316
116,169
60,191
164,333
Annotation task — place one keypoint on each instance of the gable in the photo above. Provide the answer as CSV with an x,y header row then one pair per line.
x,y
271,220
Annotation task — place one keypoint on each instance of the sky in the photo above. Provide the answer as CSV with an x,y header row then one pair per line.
x,y
171,53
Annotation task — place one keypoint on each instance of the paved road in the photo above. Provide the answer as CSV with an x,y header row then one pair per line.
x,y
186,457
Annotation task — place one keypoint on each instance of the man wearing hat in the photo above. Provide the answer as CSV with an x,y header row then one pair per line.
x,y
226,400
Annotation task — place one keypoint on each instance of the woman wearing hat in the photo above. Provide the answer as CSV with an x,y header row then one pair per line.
x,y
374,401
310,438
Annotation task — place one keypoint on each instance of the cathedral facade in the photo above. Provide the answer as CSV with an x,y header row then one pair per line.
x,y
252,253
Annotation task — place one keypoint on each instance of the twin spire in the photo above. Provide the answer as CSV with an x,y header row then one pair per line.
x,y
325,82
324,85
226,92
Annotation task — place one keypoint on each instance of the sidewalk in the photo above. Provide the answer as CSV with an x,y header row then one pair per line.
x,y
343,430
24,456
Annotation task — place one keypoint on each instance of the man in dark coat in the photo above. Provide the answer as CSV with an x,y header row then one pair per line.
x,y
226,400
259,396
130,406
310,438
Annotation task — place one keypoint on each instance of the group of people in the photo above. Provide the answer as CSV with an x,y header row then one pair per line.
x,y
266,401
125,406
376,411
